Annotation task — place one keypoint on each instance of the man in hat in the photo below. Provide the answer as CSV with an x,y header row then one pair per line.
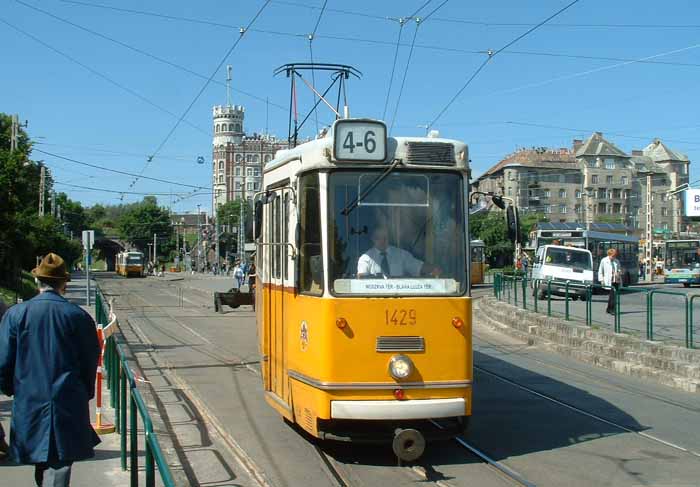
x,y
48,359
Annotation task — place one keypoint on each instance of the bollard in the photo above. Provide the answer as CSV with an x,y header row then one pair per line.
x,y
100,427
566,301
616,297
515,291
535,292
549,297
525,293
589,305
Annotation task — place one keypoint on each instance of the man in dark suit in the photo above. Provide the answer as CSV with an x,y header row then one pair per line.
x,y
48,359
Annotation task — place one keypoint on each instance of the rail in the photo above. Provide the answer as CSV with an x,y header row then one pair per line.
x,y
120,377
514,289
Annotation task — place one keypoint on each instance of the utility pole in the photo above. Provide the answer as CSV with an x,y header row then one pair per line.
x,y
216,236
14,133
155,252
649,230
241,234
42,189
52,199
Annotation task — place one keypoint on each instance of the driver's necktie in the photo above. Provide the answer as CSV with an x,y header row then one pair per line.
x,y
385,265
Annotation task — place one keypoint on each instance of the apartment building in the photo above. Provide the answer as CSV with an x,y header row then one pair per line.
x,y
593,181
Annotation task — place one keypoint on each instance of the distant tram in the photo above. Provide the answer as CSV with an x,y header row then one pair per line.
x,y
478,269
130,264
362,306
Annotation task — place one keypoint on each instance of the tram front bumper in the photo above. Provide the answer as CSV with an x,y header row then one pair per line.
x,y
398,410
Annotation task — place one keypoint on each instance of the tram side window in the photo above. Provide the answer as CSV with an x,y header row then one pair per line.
x,y
310,257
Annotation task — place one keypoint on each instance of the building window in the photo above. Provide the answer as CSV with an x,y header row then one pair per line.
x,y
221,165
268,158
230,127
623,180
663,197
238,127
609,163
547,209
562,208
665,225
255,158
609,179
546,193
664,211
238,171
249,172
562,193
510,191
250,186
591,162
577,208
578,194
217,128
256,186
221,179
685,168
594,179
239,158
256,172
238,185
616,193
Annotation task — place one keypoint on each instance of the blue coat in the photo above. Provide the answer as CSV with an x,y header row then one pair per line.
x,y
48,359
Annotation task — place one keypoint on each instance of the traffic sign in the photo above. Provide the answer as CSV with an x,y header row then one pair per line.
x,y
88,238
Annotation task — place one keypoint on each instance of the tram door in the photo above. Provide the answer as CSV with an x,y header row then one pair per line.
x,y
277,265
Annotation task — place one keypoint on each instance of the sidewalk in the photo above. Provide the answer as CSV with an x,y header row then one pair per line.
x,y
105,468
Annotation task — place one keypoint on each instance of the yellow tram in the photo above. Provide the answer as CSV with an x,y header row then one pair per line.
x,y
362,303
478,268
130,263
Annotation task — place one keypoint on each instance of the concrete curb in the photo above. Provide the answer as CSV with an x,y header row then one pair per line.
x,y
670,365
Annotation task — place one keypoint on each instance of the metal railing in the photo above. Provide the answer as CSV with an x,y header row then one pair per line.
x,y
514,289
120,377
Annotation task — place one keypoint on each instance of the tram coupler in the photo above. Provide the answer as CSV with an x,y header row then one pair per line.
x,y
408,444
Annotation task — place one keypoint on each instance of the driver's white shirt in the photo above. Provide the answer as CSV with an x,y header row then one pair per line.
x,y
401,262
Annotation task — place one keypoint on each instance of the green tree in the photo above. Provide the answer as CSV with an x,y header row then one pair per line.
x,y
141,221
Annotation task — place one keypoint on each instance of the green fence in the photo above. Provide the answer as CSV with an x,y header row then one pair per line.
x,y
527,293
120,378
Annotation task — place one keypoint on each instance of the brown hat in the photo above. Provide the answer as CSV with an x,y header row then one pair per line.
x,y
52,267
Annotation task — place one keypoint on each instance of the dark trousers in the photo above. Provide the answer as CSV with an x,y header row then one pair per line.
x,y
53,474
611,297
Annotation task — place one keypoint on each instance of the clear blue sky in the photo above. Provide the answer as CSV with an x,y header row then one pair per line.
x,y
78,113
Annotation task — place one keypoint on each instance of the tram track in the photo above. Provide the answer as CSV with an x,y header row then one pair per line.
x,y
341,472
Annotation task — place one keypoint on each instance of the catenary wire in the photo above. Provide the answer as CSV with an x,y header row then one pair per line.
x,y
311,55
105,190
99,74
491,55
143,52
364,40
402,22
199,93
116,171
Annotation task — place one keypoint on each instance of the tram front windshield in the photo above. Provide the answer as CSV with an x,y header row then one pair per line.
x,y
683,254
134,259
401,235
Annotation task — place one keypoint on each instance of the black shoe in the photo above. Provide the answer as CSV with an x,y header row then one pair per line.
x,y
610,312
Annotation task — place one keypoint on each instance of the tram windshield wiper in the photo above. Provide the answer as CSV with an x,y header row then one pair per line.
x,y
356,202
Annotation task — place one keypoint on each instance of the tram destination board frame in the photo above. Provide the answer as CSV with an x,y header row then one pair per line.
x,y
353,137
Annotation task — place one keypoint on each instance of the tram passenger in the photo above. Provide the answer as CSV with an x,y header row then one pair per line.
x,y
384,260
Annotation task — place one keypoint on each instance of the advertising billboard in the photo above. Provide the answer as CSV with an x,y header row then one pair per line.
x,y
692,202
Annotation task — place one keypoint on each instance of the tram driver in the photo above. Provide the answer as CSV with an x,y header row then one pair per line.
x,y
386,261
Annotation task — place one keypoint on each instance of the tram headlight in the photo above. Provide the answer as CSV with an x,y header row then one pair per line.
x,y
400,366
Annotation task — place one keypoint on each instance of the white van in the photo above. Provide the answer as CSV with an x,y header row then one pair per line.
x,y
562,264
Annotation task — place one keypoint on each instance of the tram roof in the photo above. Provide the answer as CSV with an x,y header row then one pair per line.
x,y
316,154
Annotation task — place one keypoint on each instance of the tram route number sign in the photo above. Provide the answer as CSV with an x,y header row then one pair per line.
x,y
359,141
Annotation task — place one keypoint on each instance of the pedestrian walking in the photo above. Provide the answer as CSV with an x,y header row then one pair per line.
x,y
238,274
609,273
525,262
3,444
48,360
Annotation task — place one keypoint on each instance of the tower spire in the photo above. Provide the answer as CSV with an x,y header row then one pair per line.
x,y
229,68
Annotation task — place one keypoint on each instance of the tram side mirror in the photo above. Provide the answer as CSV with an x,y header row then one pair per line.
x,y
512,223
258,220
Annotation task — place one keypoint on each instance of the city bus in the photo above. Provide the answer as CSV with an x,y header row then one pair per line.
x,y
355,348
682,262
598,243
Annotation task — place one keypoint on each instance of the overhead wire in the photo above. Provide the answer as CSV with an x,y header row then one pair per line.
x,y
105,190
362,40
99,74
493,54
401,22
311,56
204,87
116,171
142,51
418,21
